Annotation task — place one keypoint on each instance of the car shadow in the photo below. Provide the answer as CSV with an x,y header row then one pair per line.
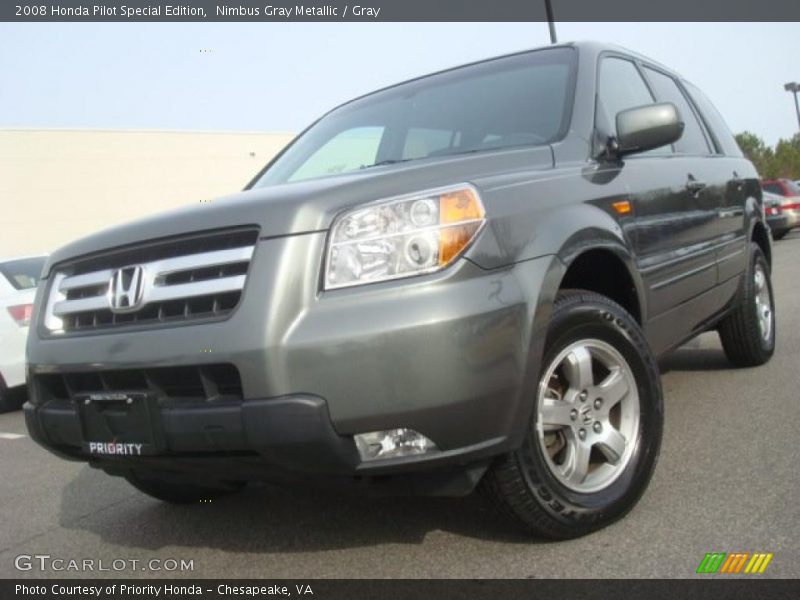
x,y
695,359
270,519
703,353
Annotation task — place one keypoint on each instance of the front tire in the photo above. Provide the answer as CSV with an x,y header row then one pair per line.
x,y
748,334
592,443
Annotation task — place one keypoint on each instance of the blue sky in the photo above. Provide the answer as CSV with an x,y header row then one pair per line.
x,y
280,76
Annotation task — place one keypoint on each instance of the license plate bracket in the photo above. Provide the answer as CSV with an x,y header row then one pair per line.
x,y
119,424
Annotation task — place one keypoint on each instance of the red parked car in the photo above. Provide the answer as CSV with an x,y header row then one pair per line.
x,y
790,203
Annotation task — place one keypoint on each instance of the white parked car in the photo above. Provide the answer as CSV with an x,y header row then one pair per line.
x,y
18,280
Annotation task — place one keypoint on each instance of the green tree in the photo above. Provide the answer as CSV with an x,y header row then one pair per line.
x,y
754,148
781,161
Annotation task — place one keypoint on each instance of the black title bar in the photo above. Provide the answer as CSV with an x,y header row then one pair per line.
x,y
744,588
395,10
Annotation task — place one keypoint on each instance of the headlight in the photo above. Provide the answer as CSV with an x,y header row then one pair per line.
x,y
404,236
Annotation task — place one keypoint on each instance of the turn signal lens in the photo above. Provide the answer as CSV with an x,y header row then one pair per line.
x,y
453,240
401,237
459,206
623,207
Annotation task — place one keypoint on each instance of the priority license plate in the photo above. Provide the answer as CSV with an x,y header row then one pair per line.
x,y
119,424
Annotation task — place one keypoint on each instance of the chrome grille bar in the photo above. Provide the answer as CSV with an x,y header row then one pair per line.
x,y
67,307
168,280
163,268
193,290
86,280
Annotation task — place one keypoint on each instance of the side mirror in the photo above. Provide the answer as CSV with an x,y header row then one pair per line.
x,y
647,127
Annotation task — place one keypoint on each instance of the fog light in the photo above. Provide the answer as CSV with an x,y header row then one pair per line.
x,y
393,443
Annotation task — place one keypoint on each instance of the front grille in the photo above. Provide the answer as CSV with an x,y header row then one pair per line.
x,y
212,383
190,278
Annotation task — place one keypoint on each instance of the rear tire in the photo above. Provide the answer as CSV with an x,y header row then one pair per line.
x,y
748,334
780,234
11,399
599,388
179,492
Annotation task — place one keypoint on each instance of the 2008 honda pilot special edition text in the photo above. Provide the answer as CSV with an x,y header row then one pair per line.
x,y
462,280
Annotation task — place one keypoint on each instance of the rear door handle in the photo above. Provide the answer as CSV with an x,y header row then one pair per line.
x,y
693,186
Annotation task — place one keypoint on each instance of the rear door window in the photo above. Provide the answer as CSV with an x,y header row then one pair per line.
x,y
693,140
725,141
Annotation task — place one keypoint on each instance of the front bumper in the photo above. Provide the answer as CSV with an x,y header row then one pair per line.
x,y
294,433
287,439
449,355
12,356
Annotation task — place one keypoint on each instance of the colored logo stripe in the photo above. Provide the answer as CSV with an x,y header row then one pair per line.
x,y
733,563
711,562
758,563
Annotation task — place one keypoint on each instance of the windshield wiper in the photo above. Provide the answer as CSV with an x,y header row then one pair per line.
x,y
390,161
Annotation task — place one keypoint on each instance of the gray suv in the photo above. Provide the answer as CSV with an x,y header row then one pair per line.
x,y
462,280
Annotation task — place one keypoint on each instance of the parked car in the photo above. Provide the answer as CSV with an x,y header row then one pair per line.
x,y
789,191
462,279
780,222
18,279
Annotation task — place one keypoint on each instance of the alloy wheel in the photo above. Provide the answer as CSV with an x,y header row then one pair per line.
x,y
763,300
588,415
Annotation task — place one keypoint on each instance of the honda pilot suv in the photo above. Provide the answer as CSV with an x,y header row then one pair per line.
x,y
459,281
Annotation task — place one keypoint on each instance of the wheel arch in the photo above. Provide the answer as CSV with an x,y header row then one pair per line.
x,y
756,224
594,252
760,235
607,270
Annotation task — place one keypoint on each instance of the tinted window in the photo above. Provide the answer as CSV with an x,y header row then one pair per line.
x,y
774,188
725,141
24,273
619,87
421,142
521,100
344,152
693,140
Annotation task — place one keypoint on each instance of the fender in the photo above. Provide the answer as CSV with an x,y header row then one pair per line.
x,y
754,217
606,237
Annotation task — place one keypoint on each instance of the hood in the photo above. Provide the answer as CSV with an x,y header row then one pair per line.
x,y
310,206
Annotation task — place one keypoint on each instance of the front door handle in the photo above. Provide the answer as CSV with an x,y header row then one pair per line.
x,y
694,186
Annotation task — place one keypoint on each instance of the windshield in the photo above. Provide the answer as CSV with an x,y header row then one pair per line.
x,y
789,188
793,188
23,273
520,100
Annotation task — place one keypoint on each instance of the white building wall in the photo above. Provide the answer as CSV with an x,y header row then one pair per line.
x,y
59,185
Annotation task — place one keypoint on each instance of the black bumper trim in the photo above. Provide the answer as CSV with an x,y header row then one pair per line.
x,y
294,433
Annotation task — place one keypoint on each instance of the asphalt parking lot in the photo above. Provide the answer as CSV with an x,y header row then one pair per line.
x,y
727,480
